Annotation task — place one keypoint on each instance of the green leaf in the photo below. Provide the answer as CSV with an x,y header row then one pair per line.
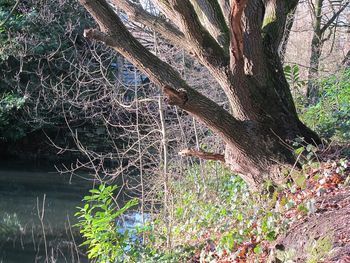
x,y
94,191
299,151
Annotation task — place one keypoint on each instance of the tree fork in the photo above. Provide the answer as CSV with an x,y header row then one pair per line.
x,y
264,115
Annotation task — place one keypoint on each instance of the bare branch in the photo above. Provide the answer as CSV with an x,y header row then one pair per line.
x,y
116,35
202,155
334,17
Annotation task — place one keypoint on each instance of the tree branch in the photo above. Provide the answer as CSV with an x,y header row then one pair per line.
x,y
290,5
204,45
334,17
156,23
115,34
275,19
346,60
211,16
225,9
167,10
203,155
255,62
236,45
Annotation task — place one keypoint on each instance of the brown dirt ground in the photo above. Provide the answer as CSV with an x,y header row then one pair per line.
x,y
331,221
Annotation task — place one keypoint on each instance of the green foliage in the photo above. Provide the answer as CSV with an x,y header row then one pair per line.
x,y
286,256
319,249
292,74
305,153
9,226
39,43
10,128
35,28
97,221
208,207
330,117
222,209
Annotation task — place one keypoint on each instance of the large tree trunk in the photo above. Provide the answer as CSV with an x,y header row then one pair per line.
x,y
238,42
267,156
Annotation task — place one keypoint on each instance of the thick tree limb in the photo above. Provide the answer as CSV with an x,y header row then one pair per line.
x,y
156,23
115,34
276,13
203,155
205,46
167,10
274,23
236,45
252,41
212,18
290,5
225,9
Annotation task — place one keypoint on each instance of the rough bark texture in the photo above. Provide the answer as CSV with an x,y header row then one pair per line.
x,y
238,42
346,60
316,49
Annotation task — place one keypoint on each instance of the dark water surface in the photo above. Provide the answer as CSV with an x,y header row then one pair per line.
x,y
24,237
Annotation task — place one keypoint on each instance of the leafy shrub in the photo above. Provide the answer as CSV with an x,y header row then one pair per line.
x,y
97,221
9,226
330,117
10,128
39,43
16,21
292,74
222,211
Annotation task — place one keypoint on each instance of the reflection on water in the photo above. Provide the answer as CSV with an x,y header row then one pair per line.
x,y
36,215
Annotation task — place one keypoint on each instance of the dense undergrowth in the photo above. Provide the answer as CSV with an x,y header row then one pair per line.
x,y
222,213
220,221
213,217
330,116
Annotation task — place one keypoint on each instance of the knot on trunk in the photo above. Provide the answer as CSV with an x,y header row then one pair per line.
x,y
175,97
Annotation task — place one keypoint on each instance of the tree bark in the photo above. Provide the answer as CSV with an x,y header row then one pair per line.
x,y
248,68
346,60
316,49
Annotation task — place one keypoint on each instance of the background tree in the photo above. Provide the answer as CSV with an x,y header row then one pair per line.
x,y
325,22
238,43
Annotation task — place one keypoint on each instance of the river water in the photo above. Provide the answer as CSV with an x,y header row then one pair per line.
x,y
36,214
